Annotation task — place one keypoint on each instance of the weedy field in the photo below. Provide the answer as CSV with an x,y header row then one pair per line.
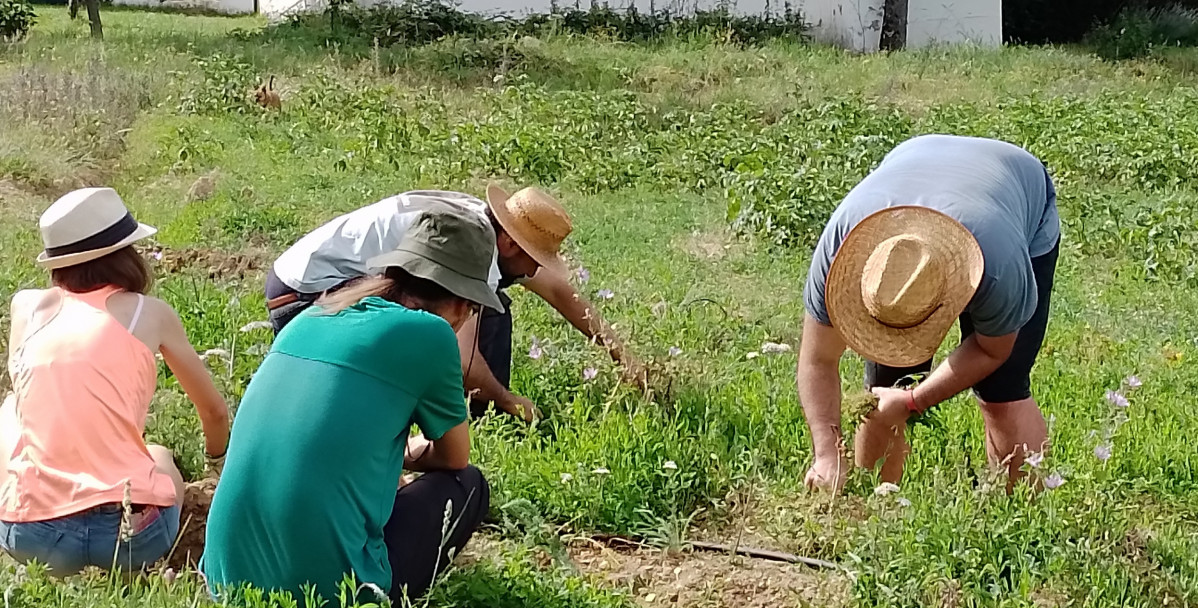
x,y
698,172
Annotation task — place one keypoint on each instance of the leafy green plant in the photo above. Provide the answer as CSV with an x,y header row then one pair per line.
x,y
1138,31
420,22
16,18
225,86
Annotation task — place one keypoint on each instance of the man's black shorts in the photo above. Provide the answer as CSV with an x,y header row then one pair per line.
x,y
1012,380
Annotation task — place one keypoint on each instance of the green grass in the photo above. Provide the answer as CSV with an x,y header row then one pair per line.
x,y
655,148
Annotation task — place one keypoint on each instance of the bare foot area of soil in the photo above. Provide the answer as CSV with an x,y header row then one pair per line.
x,y
707,246
708,579
197,499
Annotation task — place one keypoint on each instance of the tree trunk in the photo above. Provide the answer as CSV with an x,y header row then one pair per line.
x,y
894,25
73,8
93,16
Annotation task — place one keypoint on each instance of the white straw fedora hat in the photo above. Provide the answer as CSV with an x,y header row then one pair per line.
x,y
85,225
899,280
535,220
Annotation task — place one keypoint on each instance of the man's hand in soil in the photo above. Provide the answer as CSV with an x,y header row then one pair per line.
x,y
827,474
523,408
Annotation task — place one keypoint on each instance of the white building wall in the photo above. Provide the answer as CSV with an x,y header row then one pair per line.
x,y
954,21
851,24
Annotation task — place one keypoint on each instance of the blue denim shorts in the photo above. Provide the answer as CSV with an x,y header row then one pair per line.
x,y
67,545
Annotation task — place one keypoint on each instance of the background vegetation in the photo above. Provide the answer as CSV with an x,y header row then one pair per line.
x,y
699,159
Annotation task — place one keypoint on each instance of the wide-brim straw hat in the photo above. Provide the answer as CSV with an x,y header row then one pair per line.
x,y
86,225
900,279
535,220
451,248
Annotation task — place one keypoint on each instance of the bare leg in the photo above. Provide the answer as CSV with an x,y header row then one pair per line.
x,y
164,462
1013,428
874,443
10,433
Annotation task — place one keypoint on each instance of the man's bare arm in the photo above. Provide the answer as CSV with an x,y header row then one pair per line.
x,y
818,380
557,291
971,362
481,383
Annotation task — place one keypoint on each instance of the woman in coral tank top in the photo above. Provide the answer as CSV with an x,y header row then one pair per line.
x,y
82,362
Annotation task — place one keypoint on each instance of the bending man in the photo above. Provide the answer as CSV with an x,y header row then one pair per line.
x,y
946,227
529,225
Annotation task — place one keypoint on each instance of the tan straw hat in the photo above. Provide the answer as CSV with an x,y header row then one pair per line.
x,y
535,220
85,225
899,280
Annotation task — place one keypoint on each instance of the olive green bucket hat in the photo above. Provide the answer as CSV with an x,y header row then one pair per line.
x,y
452,247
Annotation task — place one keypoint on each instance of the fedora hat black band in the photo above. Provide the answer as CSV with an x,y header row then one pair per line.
x,y
105,238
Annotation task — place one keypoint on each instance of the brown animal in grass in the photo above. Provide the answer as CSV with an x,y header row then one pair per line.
x,y
266,95
203,188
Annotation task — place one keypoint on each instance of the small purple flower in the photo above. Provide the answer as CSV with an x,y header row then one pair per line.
x,y
157,255
1133,382
589,374
1035,459
1117,399
169,575
1054,481
606,294
674,351
535,351
584,275
1102,452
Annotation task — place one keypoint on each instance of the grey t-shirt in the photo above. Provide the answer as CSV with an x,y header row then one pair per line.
x,y
1000,192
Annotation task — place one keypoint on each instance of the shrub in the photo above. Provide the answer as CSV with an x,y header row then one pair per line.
x,y
632,25
1137,31
227,82
16,17
420,22
1037,22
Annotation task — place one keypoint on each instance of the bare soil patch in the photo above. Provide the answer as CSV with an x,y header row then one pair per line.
x,y
193,521
215,263
708,579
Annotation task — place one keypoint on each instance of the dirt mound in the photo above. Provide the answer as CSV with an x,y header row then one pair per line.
x,y
197,500
216,263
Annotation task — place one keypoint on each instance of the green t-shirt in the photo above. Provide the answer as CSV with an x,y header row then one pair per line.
x,y
317,447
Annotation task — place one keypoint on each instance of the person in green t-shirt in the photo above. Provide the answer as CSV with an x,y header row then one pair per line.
x,y
322,436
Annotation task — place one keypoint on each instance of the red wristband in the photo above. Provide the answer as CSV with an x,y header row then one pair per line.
x,y
911,402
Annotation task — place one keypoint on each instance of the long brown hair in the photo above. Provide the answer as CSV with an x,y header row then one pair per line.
x,y
124,268
394,285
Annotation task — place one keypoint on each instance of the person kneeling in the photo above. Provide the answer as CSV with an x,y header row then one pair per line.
x,y
309,490
81,487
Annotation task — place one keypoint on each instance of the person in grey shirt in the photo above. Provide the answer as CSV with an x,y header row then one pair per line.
x,y
946,228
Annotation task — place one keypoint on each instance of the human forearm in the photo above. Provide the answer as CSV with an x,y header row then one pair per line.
x,y
450,453
966,366
215,424
482,385
818,380
819,394
582,314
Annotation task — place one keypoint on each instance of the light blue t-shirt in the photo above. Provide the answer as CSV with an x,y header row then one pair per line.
x,y
1000,192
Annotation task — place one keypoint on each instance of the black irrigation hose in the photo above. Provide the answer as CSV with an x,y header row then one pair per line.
x,y
766,554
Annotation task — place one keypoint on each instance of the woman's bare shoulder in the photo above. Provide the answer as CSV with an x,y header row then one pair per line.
x,y
26,298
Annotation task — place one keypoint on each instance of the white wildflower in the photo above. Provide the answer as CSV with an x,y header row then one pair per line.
x,y
885,489
248,327
773,348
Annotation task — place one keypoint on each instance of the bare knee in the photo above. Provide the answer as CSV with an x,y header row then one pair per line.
x,y
1014,430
